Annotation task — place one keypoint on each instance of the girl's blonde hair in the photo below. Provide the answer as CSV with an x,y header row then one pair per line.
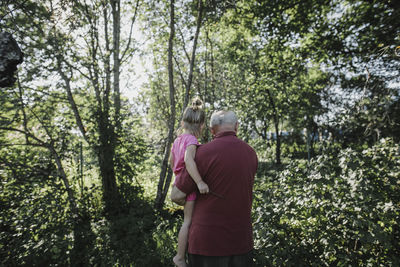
x,y
193,117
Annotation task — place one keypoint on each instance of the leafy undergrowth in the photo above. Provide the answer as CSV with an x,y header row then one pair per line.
x,y
341,209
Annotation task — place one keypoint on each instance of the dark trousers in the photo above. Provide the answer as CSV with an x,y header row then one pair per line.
x,y
244,260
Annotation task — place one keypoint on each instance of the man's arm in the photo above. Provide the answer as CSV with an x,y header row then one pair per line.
x,y
178,196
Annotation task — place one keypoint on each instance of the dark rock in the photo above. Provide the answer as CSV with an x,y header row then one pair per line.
x,y
10,57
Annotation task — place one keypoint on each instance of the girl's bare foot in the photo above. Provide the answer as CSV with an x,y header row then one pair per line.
x,y
180,262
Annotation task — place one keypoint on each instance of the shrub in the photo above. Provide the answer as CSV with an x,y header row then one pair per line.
x,y
342,209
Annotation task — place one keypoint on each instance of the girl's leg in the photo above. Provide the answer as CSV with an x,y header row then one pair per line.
x,y
179,259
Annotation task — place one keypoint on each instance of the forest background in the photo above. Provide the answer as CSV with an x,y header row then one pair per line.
x,y
84,146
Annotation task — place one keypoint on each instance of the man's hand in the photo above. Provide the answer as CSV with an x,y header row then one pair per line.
x,y
178,196
203,187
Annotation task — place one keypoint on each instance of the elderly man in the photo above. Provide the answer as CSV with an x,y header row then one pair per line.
x,y
221,231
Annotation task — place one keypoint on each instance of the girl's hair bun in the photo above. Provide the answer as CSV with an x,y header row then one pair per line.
x,y
193,117
197,104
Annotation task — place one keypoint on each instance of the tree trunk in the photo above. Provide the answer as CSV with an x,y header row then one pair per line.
x,y
163,183
71,100
106,128
205,97
116,67
278,141
196,37
105,154
276,125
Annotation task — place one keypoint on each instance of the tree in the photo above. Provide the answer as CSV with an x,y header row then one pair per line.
x,y
180,63
33,119
93,71
360,55
103,77
164,181
270,75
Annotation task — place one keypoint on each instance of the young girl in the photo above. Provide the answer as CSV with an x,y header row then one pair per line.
x,y
182,156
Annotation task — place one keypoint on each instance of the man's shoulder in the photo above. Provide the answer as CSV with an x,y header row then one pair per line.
x,y
218,143
205,147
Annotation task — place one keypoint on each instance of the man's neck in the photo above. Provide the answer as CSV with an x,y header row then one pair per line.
x,y
225,128
225,133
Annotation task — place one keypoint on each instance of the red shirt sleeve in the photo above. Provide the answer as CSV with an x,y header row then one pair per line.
x,y
186,183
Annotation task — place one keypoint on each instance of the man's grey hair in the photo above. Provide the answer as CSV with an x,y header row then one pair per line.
x,y
223,117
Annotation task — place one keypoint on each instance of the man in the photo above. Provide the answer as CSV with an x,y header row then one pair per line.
x,y
221,231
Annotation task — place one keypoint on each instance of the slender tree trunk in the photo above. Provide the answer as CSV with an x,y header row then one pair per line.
x,y
192,60
116,12
72,101
206,135
278,141
24,117
167,184
163,183
276,126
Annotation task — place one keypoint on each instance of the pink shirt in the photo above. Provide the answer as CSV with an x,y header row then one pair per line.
x,y
178,155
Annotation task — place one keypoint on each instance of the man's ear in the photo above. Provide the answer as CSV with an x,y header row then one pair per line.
x,y
236,126
212,130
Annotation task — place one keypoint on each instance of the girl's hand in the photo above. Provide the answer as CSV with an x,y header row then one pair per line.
x,y
203,187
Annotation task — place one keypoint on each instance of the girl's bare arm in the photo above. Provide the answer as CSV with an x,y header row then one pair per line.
x,y
191,167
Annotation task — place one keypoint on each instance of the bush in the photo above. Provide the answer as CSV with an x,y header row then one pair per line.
x,y
36,229
340,210
126,238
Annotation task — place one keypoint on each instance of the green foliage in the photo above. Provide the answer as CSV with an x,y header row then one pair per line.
x,y
341,209
373,118
127,239
271,61
166,235
132,150
35,229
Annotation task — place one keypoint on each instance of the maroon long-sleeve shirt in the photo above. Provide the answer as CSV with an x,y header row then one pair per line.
x,y
221,225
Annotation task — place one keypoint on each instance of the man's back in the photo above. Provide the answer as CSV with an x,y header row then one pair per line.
x,y
221,223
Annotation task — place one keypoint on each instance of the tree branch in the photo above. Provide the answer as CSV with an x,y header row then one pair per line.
x,y
40,142
72,102
183,46
180,72
130,31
